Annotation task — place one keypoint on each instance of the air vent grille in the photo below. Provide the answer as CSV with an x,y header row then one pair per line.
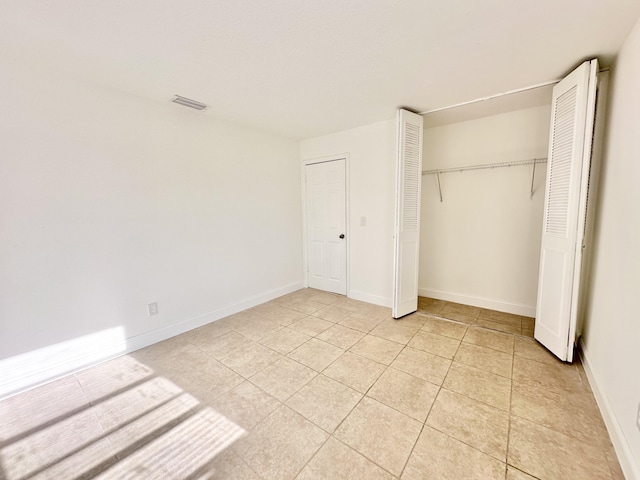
x,y
187,102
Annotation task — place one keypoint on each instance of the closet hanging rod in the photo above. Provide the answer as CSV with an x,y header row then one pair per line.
x,y
484,166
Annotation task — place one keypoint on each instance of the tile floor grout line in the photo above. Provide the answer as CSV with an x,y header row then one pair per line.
x,y
424,424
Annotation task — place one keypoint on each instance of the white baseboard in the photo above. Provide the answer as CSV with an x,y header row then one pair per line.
x,y
628,464
479,302
31,369
369,298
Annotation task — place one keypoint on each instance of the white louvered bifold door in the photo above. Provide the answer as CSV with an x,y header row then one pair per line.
x,y
407,224
572,117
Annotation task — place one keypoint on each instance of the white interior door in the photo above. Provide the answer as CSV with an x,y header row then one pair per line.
x,y
325,192
407,223
572,119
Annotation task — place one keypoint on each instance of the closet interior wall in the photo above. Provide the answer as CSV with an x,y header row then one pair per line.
x,y
481,245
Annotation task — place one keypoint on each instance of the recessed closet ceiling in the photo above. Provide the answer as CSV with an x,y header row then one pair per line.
x,y
306,68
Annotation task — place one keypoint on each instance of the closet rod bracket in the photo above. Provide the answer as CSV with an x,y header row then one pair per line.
x,y
533,177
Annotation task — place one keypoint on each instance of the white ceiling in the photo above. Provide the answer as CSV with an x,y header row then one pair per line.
x,y
303,68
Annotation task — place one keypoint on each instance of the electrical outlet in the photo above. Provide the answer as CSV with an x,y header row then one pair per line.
x,y
363,221
638,417
153,309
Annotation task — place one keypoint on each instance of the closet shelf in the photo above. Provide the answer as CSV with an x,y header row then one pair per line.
x,y
484,166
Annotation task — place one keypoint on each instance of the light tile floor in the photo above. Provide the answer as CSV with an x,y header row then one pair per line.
x,y
317,386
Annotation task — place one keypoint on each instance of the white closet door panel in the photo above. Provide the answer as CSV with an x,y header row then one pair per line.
x,y
569,155
407,224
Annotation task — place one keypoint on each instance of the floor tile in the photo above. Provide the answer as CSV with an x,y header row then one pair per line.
x,y
437,344
120,409
459,317
250,358
485,359
188,358
392,330
576,414
545,453
281,445
438,456
332,314
361,322
467,310
316,354
283,378
209,381
169,348
531,349
208,333
246,405
614,464
39,406
229,466
355,371
416,319
28,455
515,474
499,317
482,337
181,451
336,461
304,306
528,322
133,433
421,364
558,377
326,298
285,340
311,326
341,337
479,384
513,327
445,328
407,394
350,304
110,377
284,316
430,305
381,433
256,328
325,402
377,349
472,422
225,344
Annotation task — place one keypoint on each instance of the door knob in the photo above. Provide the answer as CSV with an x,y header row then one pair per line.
x,y
342,235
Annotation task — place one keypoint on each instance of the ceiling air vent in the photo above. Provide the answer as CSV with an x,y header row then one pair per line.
x,y
187,102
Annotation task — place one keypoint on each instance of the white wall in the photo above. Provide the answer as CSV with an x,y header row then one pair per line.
x,y
481,245
371,165
109,202
611,333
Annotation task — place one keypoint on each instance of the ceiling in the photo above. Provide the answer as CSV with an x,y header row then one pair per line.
x,y
306,68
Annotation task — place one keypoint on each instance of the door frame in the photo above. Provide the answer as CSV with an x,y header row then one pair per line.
x,y
305,254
